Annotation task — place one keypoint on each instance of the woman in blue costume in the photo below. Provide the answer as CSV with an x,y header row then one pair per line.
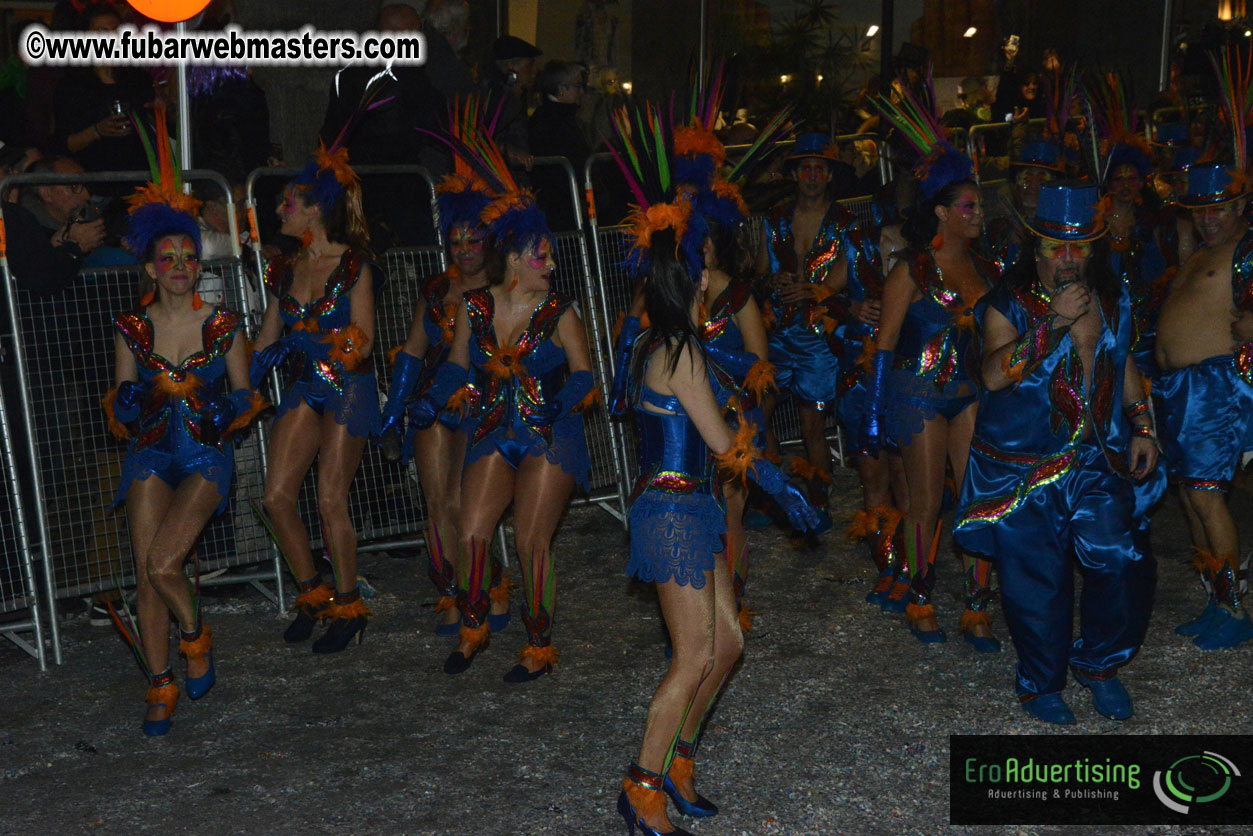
x,y
677,525
320,314
519,359
921,393
438,448
171,358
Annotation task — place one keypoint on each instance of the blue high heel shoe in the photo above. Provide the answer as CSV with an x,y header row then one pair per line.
x,y
915,613
198,644
897,599
162,691
882,587
684,763
649,782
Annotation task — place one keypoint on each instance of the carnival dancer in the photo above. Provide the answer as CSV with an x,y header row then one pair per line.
x,y
523,349
800,250
323,297
171,358
438,448
921,394
1062,435
1036,163
676,520
1205,384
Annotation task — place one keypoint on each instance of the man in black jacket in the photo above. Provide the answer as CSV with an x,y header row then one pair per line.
x,y
554,131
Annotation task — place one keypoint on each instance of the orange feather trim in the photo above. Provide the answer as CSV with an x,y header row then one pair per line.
x,y
760,378
256,404
445,603
864,523
1013,371
539,655
356,609
459,183
199,648
659,216
504,363
727,190
1239,181
473,636
500,594
348,345
681,769
181,389
166,695
801,467
971,619
738,459
116,428
916,612
589,400
746,619
337,162
310,325
964,319
774,458
463,400
162,193
1217,561
391,354
506,203
695,140
315,601
868,349
648,804
889,518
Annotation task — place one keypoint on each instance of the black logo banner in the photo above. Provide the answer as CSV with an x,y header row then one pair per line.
x,y
1101,779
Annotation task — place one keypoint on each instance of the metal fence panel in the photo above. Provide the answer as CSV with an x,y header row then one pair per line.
x,y
18,590
67,345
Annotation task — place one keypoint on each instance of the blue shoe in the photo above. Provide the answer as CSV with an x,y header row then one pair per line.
x,y
825,523
634,821
1225,631
700,808
1049,708
882,587
1201,623
897,598
983,644
1109,697
162,691
929,636
198,645
916,614
496,623
198,686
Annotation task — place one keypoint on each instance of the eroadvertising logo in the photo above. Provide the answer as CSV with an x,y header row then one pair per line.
x,y
1100,779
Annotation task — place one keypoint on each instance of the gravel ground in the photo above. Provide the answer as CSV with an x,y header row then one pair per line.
x,y
836,723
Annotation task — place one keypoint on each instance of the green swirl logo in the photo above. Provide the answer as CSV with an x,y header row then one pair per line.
x,y
1194,779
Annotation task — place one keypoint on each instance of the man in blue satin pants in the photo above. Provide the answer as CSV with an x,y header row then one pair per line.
x,y
1063,461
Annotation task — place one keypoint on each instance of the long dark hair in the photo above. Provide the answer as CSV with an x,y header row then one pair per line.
x,y
1098,275
345,223
921,225
668,297
731,253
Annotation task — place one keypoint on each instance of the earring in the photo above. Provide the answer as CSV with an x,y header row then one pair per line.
x,y
196,302
147,298
306,238
937,241
513,279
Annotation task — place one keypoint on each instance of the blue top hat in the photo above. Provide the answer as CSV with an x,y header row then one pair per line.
x,y
812,145
1121,155
1213,183
1183,158
1040,154
1172,134
1067,212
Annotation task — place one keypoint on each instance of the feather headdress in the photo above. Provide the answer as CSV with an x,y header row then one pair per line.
x,y
646,156
328,173
1235,100
1117,124
461,196
940,163
512,216
160,206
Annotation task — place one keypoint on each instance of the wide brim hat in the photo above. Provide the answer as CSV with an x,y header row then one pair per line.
x,y
1067,211
508,47
811,146
1213,184
1039,154
1126,154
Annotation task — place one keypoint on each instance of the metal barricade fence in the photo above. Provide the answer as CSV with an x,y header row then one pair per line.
x,y
64,359
977,136
18,589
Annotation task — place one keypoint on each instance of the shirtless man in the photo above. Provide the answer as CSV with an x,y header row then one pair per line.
x,y
1063,444
1208,405
801,258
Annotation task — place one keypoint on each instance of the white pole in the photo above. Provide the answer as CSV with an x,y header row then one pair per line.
x,y
184,113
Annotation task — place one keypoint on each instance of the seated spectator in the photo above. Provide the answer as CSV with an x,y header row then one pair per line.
x,y
51,230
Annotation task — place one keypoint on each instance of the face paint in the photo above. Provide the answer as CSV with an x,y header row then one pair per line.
x,y
1075,250
464,236
541,257
174,252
